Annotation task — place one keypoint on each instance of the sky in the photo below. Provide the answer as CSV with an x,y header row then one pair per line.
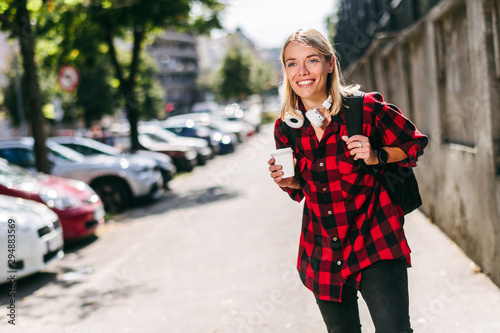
x,y
268,23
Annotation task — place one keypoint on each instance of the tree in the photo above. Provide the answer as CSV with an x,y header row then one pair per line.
x,y
242,73
16,18
68,37
235,75
137,20
332,21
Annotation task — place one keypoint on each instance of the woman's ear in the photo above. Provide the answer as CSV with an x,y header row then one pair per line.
x,y
331,65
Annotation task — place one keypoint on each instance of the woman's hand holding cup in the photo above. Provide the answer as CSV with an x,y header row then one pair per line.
x,y
276,174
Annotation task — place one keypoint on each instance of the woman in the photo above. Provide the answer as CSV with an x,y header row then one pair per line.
x,y
352,234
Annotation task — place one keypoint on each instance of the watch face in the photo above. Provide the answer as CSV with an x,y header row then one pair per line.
x,y
383,156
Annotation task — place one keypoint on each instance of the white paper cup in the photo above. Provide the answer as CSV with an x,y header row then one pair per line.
x,y
284,157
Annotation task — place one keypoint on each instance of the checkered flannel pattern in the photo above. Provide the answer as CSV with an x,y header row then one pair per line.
x,y
349,221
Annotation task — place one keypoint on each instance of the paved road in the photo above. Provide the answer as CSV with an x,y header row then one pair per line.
x,y
217,254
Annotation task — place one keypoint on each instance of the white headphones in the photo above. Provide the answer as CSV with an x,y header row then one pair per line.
x,y
314,116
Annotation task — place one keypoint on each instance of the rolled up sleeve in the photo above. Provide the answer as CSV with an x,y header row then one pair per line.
x,y
394,129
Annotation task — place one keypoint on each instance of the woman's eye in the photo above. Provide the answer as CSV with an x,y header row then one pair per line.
x,y
290,64
313,60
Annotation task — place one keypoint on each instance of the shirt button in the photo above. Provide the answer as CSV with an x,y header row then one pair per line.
x,y
329,212
334,239
339,262
324,189
321,164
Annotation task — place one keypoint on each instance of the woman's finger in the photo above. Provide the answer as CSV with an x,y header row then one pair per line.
x,y
275,167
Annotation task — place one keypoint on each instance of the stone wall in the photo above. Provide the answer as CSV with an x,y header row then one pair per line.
x,y
444,73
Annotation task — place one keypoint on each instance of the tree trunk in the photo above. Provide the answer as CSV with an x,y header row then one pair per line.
x,y
132,114
27,44
132,103
127,85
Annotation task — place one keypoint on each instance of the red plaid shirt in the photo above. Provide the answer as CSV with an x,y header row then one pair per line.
x,y
349,221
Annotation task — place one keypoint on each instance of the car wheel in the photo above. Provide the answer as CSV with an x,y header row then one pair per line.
x,y
115,194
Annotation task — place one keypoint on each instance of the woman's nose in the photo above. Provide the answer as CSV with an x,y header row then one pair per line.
x,y
303,69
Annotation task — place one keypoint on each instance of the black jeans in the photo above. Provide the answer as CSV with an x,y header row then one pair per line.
x,y
384,287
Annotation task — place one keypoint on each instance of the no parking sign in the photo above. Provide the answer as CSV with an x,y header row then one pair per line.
x,y
68,78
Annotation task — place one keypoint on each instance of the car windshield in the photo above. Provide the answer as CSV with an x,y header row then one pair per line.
x,y
106,149
159,134
150,138
64,153
101,147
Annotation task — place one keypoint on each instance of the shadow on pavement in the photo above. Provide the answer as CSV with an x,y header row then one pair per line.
x,y
174,200
76,245
26,286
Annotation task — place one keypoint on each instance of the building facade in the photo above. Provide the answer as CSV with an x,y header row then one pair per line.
x,y
443,71
177,58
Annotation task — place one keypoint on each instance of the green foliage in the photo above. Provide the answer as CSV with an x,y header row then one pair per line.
x,y
149,93
79,32
235,75
241,75
332,20
10,92
137,20
263,74
75,32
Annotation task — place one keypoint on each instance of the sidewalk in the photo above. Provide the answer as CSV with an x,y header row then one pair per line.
x,y
446,292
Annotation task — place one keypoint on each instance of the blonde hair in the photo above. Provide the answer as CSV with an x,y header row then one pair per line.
x,y
334,86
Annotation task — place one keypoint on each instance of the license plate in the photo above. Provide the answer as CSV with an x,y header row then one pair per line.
x,y
54,244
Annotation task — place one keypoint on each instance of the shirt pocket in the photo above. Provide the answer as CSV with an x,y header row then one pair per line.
x,y
353,180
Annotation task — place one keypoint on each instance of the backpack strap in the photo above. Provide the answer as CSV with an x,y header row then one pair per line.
x,y
353,113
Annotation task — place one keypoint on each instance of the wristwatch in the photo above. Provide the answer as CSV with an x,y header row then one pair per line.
x,y
382,156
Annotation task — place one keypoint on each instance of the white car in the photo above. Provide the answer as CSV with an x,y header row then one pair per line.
x,y
117,180
30,238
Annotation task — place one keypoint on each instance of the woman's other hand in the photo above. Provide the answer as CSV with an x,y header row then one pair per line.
x,y
361,149
276,173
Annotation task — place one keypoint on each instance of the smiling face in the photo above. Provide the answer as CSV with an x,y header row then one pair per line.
x,y
307,72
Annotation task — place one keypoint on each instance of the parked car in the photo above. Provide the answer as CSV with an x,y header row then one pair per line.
x,y
207,107
155,133
184,157
242,130
250,112
78,207
90,147
116,180
219,142
35,234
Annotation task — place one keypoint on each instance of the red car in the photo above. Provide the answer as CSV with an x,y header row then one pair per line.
x,y
78,207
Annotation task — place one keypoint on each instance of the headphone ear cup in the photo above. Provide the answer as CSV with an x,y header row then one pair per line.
x,y
293,121
315,117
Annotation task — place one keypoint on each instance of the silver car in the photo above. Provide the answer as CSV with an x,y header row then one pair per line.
x,y
117,180
89,147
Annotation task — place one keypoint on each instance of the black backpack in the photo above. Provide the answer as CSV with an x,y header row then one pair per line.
x,y
400,182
